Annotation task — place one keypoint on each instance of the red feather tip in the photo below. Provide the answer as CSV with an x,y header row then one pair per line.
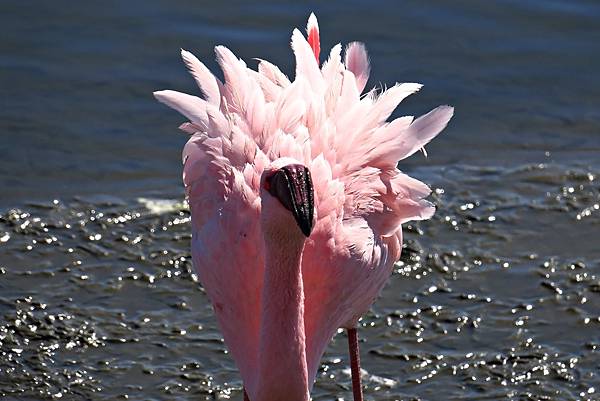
x,y
312,29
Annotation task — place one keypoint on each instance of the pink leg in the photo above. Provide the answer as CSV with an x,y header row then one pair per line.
x,y
355,364
246,396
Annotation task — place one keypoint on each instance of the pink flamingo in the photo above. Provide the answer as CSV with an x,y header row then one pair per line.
x,y
297,204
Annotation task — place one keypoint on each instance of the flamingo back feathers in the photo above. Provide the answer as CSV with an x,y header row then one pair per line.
x,y
319,114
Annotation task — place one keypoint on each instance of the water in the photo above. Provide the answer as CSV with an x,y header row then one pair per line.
x,y
497,297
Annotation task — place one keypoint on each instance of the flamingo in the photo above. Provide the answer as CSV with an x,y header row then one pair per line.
x,y
297,203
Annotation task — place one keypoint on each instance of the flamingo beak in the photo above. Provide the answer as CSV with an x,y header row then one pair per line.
x,y
293,187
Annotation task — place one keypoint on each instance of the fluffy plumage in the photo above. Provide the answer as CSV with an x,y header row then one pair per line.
x,y
321,120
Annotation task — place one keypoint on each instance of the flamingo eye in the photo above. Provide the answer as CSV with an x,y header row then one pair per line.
x,y
267,184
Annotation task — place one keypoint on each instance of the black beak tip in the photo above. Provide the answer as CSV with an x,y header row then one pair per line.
x,y
306,228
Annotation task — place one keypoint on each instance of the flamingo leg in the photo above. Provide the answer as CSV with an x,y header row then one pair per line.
x,y
246,395
355,364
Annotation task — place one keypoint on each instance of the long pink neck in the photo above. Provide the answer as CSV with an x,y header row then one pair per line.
x,y
282,357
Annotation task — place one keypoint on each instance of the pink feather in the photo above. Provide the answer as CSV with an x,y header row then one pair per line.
x,y
190,106
306,64
206,81
357,61
421,131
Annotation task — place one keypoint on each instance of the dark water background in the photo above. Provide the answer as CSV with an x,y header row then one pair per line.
x,y
497,297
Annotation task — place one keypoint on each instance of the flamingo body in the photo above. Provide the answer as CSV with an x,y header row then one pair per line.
x,y
259,121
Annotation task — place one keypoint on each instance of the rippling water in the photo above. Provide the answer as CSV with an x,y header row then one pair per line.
x,y
497,297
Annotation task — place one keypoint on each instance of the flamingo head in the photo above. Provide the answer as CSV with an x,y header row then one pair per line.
x,y
287,192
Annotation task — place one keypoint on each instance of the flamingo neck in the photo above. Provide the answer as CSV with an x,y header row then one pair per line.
x,y
282,367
